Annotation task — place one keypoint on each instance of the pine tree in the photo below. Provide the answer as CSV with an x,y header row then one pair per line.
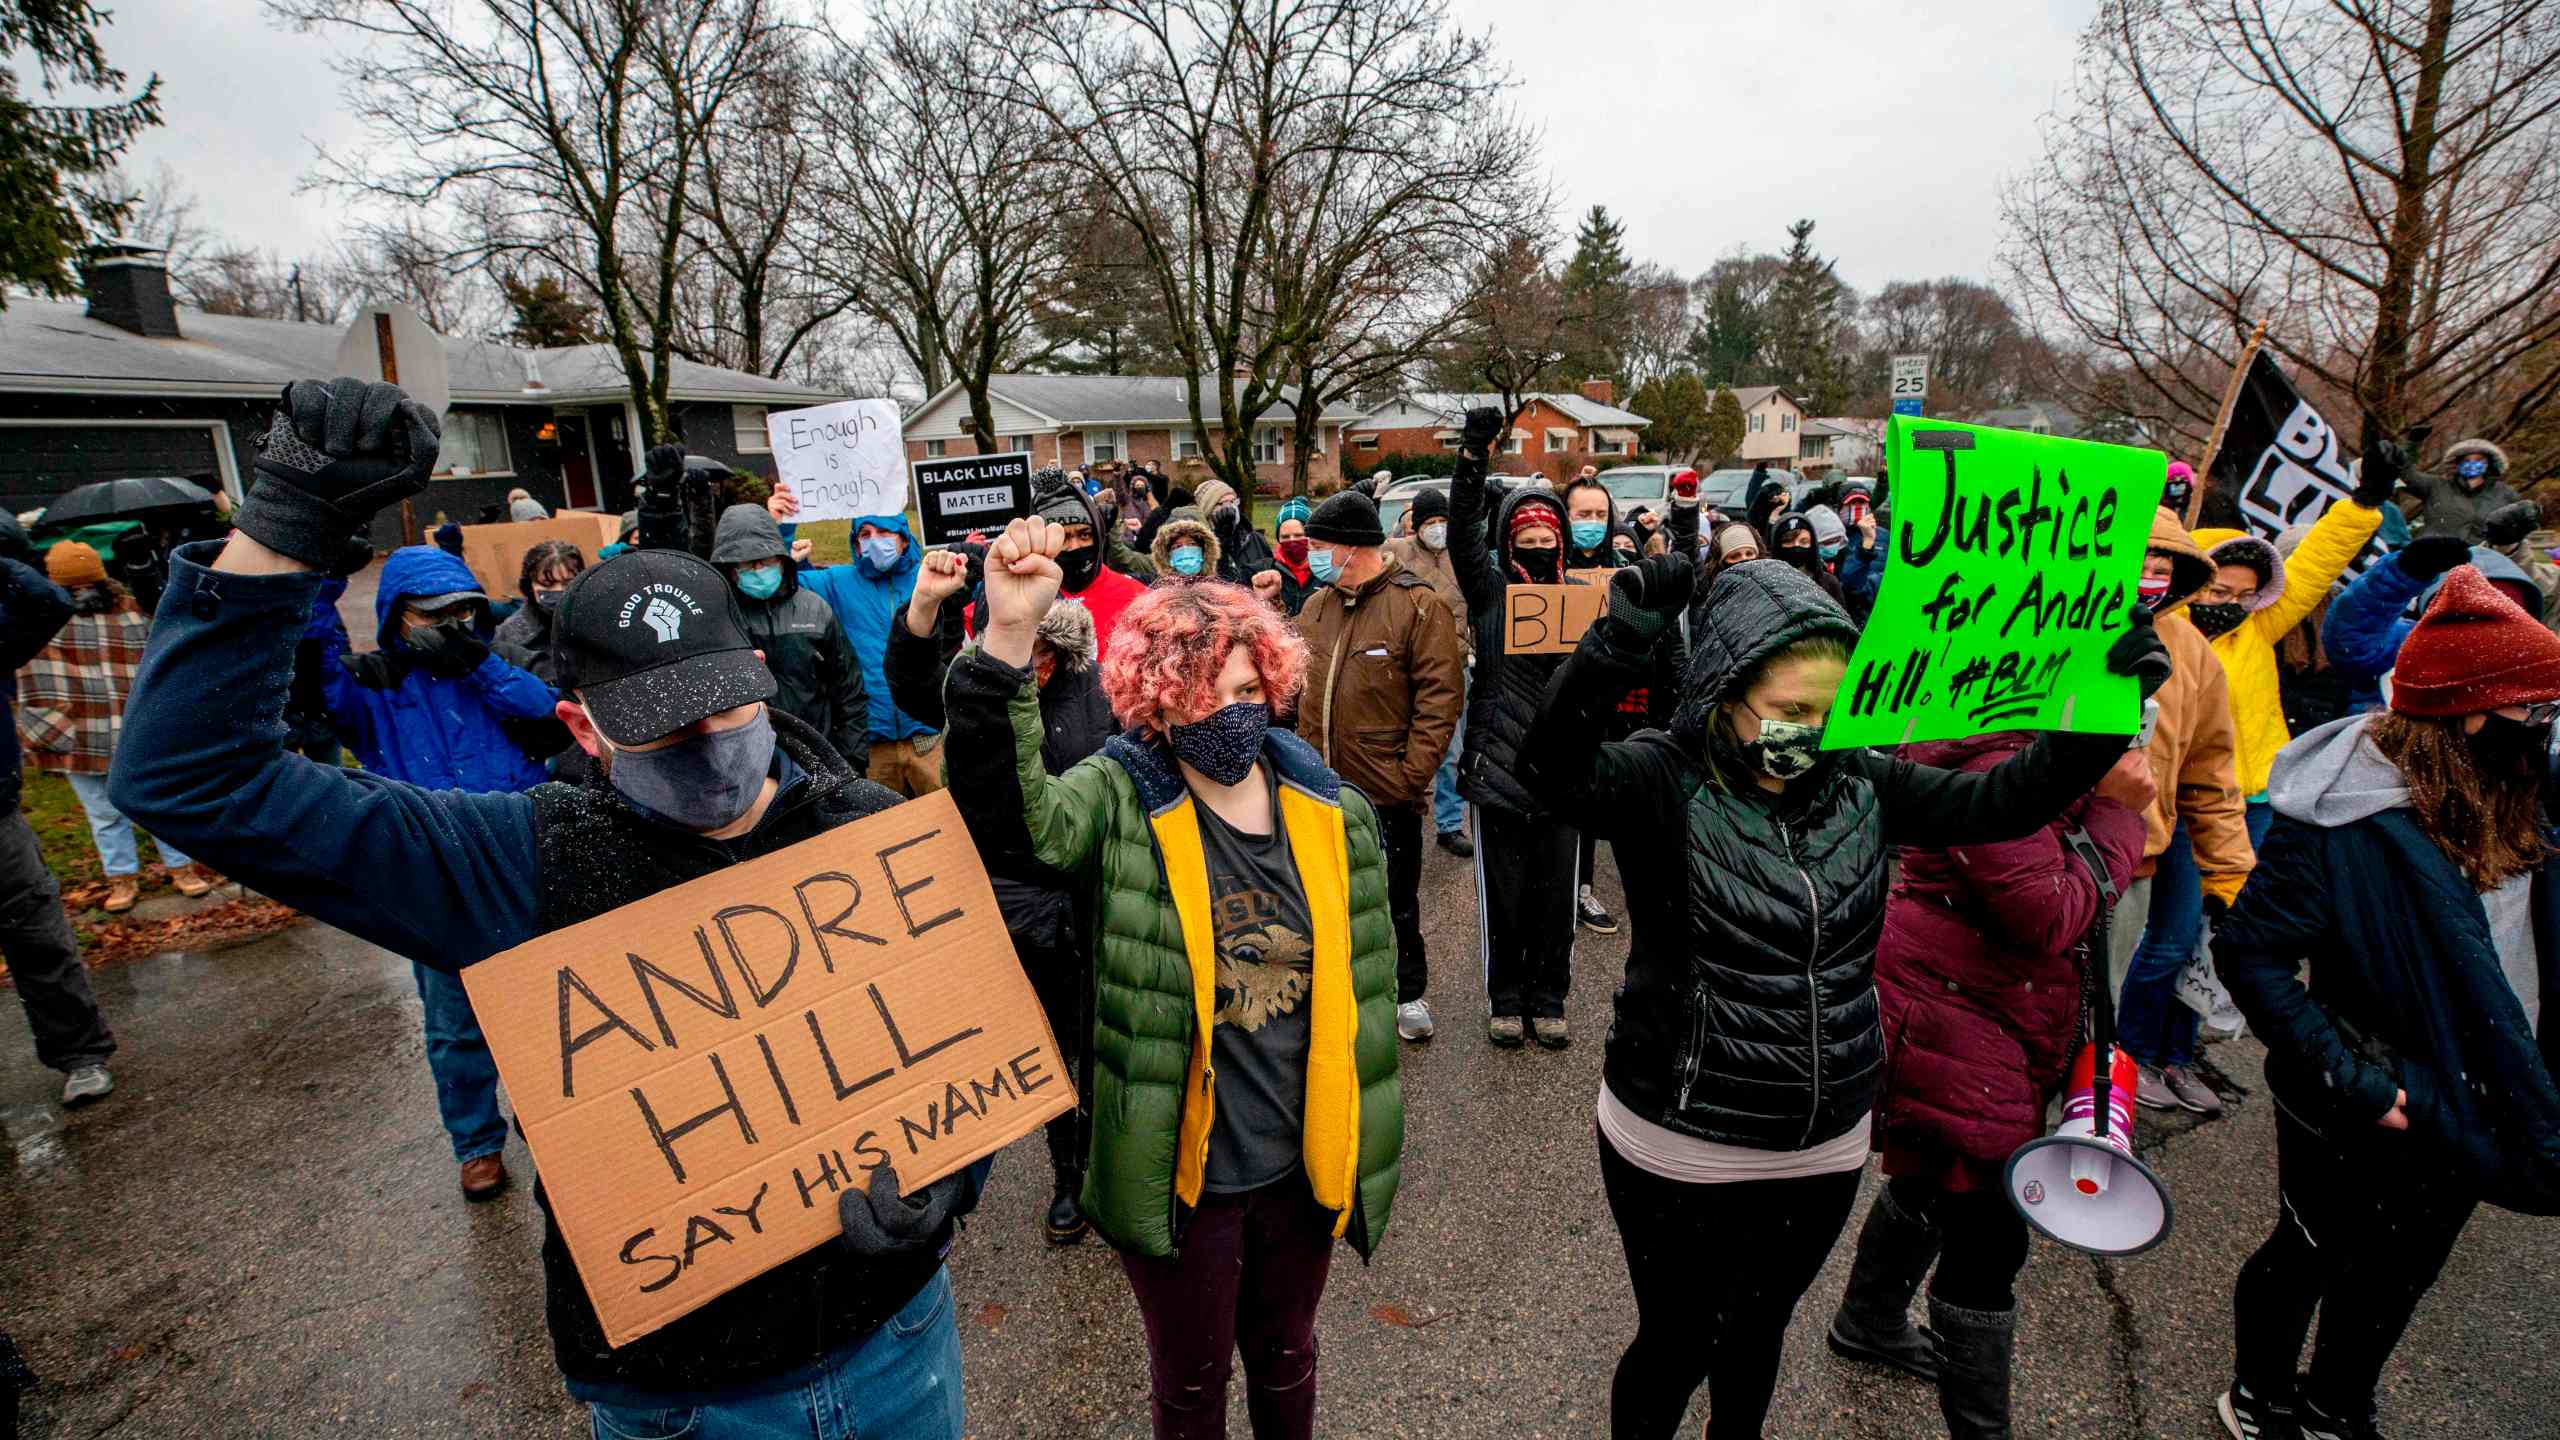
x,y
56,160
1804,320
1598,295
1677,406
1724,425
547,316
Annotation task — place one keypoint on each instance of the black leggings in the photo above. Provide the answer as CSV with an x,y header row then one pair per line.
x,y
1982,1242
1717,1271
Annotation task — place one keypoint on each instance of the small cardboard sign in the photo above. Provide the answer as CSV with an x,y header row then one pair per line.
x,y
974,492
701,1074
2014,566
495,553
844,460
1550,619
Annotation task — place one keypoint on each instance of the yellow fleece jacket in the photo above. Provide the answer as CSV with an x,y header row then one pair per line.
x,y
2248,654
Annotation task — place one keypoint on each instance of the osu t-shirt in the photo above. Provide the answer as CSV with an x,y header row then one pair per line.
x,y
1266,965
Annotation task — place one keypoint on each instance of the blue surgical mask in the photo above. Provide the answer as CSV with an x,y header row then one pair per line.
x,y
1322,565
761,584
882,551
2471,467
1832,550
1587,533
607,552
1187,559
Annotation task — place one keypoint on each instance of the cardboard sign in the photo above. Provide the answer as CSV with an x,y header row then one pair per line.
x,y
703,1073
1550,619
977,492
495,553
2015,561
843,460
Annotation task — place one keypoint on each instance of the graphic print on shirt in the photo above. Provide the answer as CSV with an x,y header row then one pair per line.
x,y
1265,957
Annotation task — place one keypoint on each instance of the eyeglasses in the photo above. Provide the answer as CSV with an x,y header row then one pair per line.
x,y
2224,595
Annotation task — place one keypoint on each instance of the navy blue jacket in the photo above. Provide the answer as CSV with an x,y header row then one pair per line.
x,y
32,611
2405,959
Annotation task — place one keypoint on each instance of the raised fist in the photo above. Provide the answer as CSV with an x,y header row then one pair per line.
x,y
1482,425
339,451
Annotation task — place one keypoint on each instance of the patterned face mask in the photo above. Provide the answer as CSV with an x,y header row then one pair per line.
x,y
1224,745
1786,749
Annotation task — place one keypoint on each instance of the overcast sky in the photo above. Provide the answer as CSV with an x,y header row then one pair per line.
x,y
1704,126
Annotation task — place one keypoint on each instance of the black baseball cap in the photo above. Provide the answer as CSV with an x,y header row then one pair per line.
x,y
651,642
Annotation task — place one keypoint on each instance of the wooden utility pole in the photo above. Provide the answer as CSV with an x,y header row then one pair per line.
x,y
390,352
2221,421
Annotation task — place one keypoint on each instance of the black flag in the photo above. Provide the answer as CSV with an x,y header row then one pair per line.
x,y
2281,457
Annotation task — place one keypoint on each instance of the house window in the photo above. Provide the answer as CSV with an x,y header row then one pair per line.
x,y
1367,442
473,444
1269,446
1018,442
933,449
1186,444
1449,442
1758,422
1515,444
1560,442
1101,445
1786,422
747,424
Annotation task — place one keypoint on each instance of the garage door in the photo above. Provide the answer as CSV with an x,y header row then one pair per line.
x,y
39,462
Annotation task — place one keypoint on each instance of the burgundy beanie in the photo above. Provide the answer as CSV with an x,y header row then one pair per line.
x,y
2474,650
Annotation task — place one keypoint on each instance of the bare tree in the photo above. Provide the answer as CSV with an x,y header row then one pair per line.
x,y
1516,325
161,211
1660,324
564,132
942,208
1978,352
1276,161
2378,182
405,261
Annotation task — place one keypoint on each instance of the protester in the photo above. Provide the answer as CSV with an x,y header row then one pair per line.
x,y
1426,553
1527,865
1103,591
542,578
36,939
1243,552
696,775
1291,579
1223,1178
1862,564
2196,838
1744,1052
627,538
2410,867
1050,935
1793,539
815,674
867,597
2369,619
2255,597
71,701
1186,548
2178,489
2460,501
1830,535
1979,980
2516,534
1386,685
521,506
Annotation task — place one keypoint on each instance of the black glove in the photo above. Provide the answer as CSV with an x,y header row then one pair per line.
x,y
877,1220
339,451
1483,424
2138,652
2384,463
1647,597
2510,523
448,650
2426,558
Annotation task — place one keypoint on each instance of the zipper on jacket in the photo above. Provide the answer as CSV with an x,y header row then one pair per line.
x,y
1697,1041
1812,983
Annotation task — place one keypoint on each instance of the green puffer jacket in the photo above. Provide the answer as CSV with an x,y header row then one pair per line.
x,y
1122,824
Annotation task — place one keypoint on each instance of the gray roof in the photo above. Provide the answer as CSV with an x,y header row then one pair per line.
x,y
1582,408
52,345
2029,415
1116,400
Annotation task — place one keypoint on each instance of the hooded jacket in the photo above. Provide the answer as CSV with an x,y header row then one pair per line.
x,y
2292,592
408,723
2194,748
1106,595
32,609
867,600
1186,526
1749,1015
1979,976
1244,553
2370,619
1508,689
1126,828
1812,564
2406,992
814,668
2446,508
1385,685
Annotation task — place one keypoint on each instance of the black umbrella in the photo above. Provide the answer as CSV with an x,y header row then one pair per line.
x,y
123,500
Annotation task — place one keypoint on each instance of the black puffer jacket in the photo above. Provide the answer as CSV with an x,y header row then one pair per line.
x,y
1504,695
1748,1015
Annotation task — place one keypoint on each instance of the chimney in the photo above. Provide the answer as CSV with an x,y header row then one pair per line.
x,y
1599,392
128,285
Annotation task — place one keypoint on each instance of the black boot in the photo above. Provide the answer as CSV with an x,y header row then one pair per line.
x,y
1895,1250
1973,1369
1066,1218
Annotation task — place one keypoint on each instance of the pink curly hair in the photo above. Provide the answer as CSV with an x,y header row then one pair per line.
x,y
1171,643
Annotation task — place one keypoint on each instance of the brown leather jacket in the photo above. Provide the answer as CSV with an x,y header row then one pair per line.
x,y
1386,682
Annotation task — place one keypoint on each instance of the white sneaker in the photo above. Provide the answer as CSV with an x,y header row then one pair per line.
x,y
1413,1020
88,1083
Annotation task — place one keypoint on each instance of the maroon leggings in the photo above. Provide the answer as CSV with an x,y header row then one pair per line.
x,y
1250,1272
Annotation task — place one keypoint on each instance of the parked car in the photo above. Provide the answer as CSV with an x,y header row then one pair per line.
x,y
1646,485
1724,489
1398,498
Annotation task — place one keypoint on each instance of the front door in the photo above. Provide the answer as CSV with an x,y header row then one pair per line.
x,y
577,463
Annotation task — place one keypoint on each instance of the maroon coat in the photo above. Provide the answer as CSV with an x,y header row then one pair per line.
x,y
1980,995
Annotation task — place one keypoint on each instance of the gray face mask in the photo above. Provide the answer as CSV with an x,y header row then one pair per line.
x,y
701,782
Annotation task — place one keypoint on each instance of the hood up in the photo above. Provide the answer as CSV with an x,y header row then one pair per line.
x,y
423,570
907,562
2497,457
2189,570
1752,611
2238,547
2334,776
2497,569
1500,537
748,533
1187,524
1828,528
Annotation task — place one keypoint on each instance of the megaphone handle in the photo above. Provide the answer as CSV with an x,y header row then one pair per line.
x,y
2097,1002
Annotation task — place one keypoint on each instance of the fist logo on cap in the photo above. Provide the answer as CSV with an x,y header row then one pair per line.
x,y
664,618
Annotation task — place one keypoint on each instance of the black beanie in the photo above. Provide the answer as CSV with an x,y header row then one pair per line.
x,y
1349,518
1430,505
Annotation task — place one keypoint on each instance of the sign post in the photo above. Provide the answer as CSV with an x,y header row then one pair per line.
x,y
1910,384
978,492
843,460
391,344
2015,561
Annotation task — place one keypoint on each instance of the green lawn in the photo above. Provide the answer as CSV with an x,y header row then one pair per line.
x,y
62,830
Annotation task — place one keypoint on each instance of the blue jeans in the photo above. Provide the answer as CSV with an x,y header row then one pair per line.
x,y
117,852
466,1077
902,1382
2152,1024
1448,812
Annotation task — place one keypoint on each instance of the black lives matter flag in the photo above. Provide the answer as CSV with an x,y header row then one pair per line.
x,y
2282,457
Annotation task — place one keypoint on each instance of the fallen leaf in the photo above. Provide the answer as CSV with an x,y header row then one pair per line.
x,y
991,1314
128,1354
1395,1314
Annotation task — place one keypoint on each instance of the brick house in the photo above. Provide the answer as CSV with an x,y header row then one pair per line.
x,y
1107,421
1772,425
128,384
1555,433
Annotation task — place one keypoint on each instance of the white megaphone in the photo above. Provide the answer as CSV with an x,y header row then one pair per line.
x,y
2081,1184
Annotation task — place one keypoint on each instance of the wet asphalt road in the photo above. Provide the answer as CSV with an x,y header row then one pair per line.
x,y
259,1235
